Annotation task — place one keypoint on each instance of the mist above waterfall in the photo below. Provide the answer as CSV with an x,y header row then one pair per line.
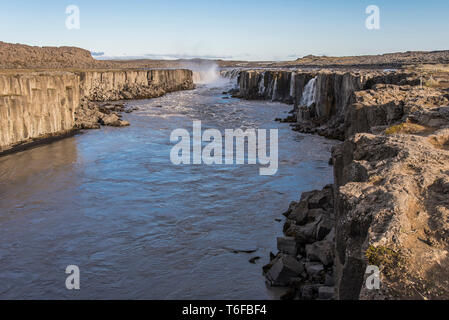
x,y
207,73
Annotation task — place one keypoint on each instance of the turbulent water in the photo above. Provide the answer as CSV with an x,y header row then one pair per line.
x,y
111,202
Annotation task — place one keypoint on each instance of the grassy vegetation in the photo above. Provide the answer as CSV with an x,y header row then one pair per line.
x,y
406,128
433,68
385,258
432,83
10,95
433,75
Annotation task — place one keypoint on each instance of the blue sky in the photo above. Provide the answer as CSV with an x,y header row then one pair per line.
x,y
246,29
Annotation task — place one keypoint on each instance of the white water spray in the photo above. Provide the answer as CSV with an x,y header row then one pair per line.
x,y
206,73
262,84
308,96
275,89
231,75
292,84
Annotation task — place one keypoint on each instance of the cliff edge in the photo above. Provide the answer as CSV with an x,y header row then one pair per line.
x,y
389,205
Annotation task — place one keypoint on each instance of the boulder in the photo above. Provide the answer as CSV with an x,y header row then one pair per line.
x,y
315,215
109,119
309,291
324,227
303,234
113,120
330,236
299,212
322,251
314,269
89,125
326,293
296,282
283,268
329,280
287,245
305,196
322,199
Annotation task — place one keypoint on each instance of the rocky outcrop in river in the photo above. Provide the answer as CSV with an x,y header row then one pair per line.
x,y
97,87
39,105
389,204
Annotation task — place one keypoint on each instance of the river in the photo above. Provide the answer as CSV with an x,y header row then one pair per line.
x,y
139,227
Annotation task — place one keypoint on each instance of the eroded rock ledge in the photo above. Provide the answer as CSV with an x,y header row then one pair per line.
x,y
389,205
97,87
392,210
35,106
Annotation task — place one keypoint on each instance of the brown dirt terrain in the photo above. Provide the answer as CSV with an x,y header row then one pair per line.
x,y
19,56
388,60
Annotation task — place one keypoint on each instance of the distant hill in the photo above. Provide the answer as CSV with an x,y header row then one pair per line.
x,y
19,56
22,56
398,59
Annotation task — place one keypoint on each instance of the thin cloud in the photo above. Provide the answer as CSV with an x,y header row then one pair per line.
x,y
177,56
97,54
162,57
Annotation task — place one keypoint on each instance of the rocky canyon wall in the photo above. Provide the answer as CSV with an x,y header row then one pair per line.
x,y
389,204
36,106
131,84
325,103
391,187
40,105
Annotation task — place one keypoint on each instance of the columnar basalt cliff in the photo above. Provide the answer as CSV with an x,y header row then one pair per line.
x,y
36,106
140,84
389,204
275,85
323,109
103,86
40,105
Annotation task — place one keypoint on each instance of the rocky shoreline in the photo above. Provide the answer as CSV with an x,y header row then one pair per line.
x,y
388,206
101,91
91,115
305,261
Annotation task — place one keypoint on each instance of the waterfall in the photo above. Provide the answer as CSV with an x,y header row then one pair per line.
x,y
308,95
262,84
275,89
232,75
292,84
